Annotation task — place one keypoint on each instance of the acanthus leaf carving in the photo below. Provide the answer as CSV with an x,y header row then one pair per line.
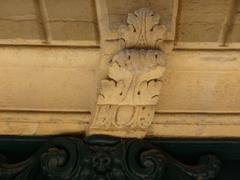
x,y
135,78
127,98
143,30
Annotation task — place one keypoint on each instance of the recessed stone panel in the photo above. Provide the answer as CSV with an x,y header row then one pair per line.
x,y
19,19
70,22
72,19
201,21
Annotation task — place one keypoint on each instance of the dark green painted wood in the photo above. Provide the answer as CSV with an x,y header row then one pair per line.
x,y
105,158
125,153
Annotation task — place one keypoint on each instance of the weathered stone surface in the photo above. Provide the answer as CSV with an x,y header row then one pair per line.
x,y
118,11
127,99
200,21
19,19
188,76
70,22
48,79
76,22
200,90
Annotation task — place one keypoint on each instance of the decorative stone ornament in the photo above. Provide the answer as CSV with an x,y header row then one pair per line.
x,y
127,99
143,30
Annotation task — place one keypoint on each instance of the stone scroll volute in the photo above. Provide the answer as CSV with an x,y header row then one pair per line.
x,y
128,97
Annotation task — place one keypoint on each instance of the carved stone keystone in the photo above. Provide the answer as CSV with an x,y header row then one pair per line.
x,y
127,99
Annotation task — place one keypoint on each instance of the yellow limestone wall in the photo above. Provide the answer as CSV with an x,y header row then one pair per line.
x,y
53,90
54,54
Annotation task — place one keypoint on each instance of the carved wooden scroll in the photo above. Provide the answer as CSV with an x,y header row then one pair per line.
x,y
105,158
127,99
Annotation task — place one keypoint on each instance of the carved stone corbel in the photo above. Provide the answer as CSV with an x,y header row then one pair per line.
x,y
127,99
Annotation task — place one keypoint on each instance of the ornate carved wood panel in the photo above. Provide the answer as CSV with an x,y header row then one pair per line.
x,y
105,158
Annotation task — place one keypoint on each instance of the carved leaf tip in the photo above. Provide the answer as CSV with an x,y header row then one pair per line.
x,y
143,30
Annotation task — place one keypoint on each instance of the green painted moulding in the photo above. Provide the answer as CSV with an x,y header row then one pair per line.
x,y
110,158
